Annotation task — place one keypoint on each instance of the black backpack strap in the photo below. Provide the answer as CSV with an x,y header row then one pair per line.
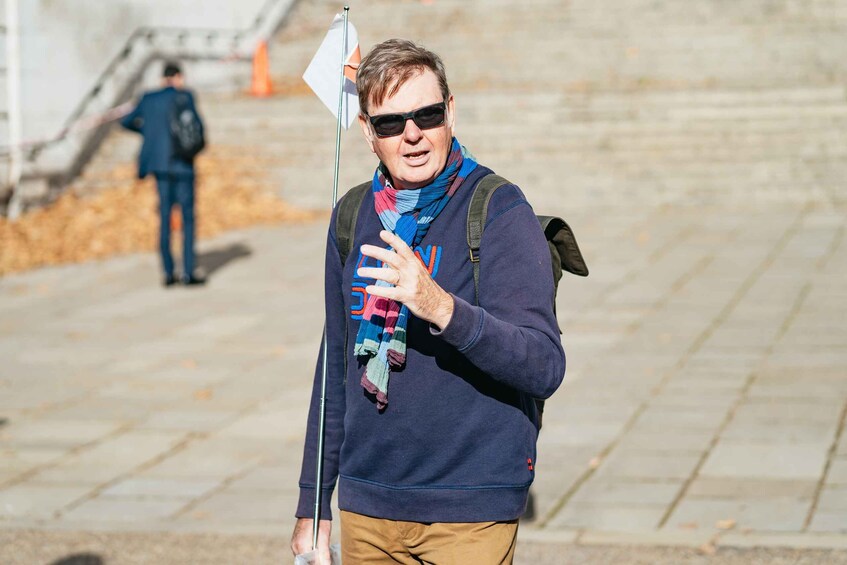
x,y
345,218
477,212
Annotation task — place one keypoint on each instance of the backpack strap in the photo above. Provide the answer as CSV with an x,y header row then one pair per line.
x,y
564,250
345,219
477,212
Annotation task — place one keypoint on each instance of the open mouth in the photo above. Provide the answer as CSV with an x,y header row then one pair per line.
x,y
416,155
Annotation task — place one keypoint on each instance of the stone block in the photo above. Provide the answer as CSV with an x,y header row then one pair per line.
x,y
204,464
732,488
623,492
582,433
775,433
140,487
20,459
757,461
281,478
771,514
663,418
837,474
648,465
829,521
611,518
187,420
833,499
38,501
241,508
267,425
666,442
825,412
124,509
56,433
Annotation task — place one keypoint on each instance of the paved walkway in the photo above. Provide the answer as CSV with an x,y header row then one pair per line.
x,y
706,393
704,403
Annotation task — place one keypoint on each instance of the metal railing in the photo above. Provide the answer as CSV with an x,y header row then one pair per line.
x,y
60,158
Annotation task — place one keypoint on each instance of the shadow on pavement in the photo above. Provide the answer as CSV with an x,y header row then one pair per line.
x,y
79,559
211,261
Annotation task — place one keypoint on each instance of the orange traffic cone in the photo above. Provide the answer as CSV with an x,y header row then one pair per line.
x,y
261,85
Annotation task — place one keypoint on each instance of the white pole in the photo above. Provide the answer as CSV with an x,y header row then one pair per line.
x,y
322,418
13,80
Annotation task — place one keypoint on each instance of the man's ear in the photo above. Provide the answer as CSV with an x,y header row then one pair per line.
x,y
366,130
451,113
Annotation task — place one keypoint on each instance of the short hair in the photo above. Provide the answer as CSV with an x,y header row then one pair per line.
x,y
389,65
171,70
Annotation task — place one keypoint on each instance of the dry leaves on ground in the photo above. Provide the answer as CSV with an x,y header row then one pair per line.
x,y
113,213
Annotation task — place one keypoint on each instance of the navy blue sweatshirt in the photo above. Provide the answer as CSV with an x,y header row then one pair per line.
x,y
456,442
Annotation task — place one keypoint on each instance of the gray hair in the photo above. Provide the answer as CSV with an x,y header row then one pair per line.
x,y
389,65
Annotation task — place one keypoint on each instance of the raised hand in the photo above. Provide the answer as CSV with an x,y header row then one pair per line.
x,y
411,283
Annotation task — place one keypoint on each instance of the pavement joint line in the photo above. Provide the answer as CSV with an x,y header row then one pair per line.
x,y
226,482
37,411
58,461
747,284
792,315
745,288
675,287
95,492
833,247
652,258
691,539
683,489
833,448
192,504
683,279
588,473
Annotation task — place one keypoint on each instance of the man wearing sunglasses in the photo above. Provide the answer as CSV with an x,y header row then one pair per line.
x,y
431,422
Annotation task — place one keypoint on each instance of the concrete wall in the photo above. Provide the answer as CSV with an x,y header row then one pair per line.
x,y
66,44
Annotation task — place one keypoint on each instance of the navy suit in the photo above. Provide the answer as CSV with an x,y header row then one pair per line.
x,y
174,176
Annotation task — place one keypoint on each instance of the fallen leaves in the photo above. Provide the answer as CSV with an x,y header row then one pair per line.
x,y
203,394
727,524
708,548
113,213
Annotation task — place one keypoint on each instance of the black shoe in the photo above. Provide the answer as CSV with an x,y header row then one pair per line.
x,y
193,281
169,280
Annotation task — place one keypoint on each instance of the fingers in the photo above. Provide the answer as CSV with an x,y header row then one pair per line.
x,y
397,243
390,292
387,256
394,257
390,276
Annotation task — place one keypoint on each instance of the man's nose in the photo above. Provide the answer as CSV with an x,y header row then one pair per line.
x,y
412,132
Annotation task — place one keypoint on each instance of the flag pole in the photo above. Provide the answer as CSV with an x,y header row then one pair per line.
x,y
322,417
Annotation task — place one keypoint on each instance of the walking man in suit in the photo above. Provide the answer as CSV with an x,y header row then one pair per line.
x,y
174,170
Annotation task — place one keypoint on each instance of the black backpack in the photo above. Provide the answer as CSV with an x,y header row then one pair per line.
x,y
187,137
564,251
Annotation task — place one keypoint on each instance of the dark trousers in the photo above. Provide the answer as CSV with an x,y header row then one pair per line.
x,y
176,189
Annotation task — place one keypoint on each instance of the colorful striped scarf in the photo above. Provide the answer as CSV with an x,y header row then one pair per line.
x,y
407,213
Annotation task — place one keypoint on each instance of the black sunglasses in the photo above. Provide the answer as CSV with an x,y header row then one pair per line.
x,y
428,117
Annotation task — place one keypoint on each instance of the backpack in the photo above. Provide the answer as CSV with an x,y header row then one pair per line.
x,y
186,128
564,251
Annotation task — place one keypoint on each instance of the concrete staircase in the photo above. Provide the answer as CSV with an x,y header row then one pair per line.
x,y
583,103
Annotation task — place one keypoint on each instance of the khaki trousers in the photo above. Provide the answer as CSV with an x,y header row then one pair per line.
x,y
366,540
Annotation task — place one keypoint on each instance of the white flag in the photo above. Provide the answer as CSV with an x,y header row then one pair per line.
x,y
324,71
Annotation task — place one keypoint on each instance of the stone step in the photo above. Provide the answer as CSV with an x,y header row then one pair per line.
x,y
645,101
